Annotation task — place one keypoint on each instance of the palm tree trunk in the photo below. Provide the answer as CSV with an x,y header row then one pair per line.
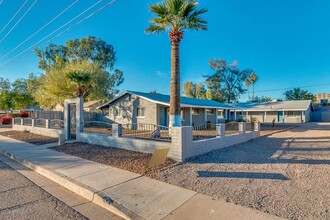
x,y
175,111
248,90
252,91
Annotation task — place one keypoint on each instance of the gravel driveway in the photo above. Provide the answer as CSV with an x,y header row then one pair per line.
x,y
285,174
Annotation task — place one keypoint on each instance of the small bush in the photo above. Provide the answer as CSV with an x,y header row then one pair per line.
x,y
6,120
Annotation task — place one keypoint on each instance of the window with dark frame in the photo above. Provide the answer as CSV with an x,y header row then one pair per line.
x,y
294,114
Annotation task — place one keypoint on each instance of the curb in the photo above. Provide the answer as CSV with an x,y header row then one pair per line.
x,y
95,196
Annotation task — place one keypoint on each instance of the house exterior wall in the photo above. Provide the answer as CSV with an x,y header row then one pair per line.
x,y
128,104
186,117
212,117
321,96
288,119
259,116
154,113
308,115
270,115
199,119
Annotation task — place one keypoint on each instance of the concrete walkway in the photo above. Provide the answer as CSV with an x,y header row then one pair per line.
x,y
127,194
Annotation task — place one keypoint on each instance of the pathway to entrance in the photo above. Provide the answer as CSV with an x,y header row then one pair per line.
x,y
285,174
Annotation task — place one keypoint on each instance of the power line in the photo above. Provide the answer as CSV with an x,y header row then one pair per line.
x,y
281,89
92,6
19,21
90,15
13,16
43,27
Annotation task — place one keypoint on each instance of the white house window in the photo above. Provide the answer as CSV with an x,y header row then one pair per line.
x,y
294,114
210,111
182,115
141,112
220,114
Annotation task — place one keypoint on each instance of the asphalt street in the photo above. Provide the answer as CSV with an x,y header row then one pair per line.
x,y
22,199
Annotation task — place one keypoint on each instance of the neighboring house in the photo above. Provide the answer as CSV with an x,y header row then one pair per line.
x,y
32,108
89,106
59,108
282,111
153,108
322,98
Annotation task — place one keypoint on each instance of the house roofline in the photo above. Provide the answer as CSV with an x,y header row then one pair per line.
x,y
162,103
267,110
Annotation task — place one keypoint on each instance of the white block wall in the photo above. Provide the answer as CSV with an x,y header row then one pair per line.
x,y
133,144
38,130
203,146
182,145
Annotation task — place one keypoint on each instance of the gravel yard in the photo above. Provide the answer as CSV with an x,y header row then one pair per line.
x,y
128,160
286,174
29,137
267,129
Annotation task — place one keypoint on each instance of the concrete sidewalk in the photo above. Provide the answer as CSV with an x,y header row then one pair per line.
x,y
127,194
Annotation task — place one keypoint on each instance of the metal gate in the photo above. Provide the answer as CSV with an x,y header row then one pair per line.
x,y
72,121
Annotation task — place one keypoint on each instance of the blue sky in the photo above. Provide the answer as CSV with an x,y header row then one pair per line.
x,y
285,42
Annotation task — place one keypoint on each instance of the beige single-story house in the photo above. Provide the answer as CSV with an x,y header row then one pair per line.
x,y
298,111
152,108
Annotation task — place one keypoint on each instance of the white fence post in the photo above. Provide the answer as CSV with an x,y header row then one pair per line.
x,y
242,127
116,130
256,126
221,129
33,122
47,123
22,121
182,138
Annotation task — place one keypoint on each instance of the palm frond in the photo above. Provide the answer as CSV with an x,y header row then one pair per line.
x,y
188,8
160,9
176,14
155,29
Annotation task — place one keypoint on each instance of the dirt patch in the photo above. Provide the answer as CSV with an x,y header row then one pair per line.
x,y
124,159
285,174
29,137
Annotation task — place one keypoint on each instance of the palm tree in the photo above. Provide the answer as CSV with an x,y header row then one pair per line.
x,y
247,84
82,80
299,94
176,16
253,79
